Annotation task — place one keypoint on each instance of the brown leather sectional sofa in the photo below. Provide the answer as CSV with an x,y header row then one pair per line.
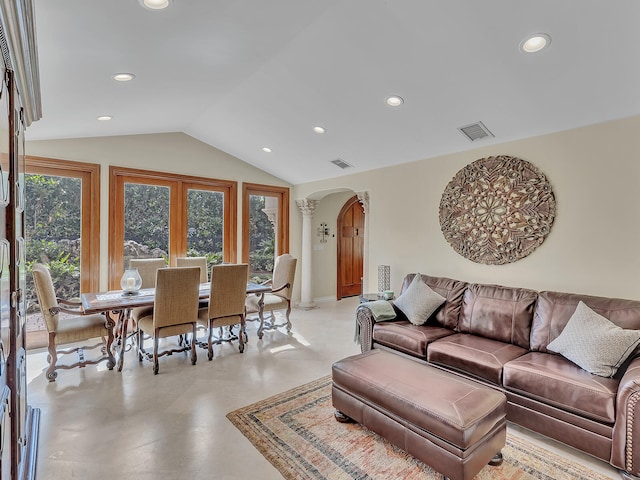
x,y
498,336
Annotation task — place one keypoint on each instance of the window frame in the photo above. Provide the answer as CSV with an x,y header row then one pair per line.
x,y
89,174
178,185
282,193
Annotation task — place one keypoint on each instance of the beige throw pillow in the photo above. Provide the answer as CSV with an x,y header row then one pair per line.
x,y
418,301
594,343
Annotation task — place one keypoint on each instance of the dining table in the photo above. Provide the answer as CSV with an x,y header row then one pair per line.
x,y
120,304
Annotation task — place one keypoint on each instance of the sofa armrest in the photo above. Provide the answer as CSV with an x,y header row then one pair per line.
x,y
626,431
364,325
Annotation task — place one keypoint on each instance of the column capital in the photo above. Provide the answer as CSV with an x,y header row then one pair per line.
x,y
307,207
363,198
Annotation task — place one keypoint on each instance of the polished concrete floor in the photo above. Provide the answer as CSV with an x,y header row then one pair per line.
x,y
98,424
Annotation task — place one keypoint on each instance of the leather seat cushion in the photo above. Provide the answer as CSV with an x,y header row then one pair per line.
x,y
559,382
457,410
408,338
481,357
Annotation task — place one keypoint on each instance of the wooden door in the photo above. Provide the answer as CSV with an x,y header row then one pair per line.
x,y
19,421
5,288
17,281
350,248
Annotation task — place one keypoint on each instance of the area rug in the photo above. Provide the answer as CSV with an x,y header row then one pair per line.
x,y
296,432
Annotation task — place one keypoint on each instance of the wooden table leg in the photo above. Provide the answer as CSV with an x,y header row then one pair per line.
x,y
261,315
123,318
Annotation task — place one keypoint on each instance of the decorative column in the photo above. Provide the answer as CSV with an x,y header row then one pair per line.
x,y
307,207
363,198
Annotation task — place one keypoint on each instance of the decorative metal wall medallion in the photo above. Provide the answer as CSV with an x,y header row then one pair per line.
x,y
497,210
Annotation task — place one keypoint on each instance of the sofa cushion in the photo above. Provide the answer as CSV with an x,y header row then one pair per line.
x,y
594,343
499,313
407,338
418,301
479,356
453,290
554,309
555,380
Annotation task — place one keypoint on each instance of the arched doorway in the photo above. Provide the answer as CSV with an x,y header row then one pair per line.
x,y
350,248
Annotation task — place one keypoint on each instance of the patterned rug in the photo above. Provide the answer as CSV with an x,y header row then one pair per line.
x,y
295,430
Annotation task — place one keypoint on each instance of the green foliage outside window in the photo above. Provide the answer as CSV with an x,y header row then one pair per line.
x,y
52,229
261,240
53,219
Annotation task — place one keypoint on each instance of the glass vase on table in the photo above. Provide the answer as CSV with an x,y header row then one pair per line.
x,y
130,282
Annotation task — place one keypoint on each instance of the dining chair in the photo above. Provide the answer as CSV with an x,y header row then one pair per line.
x,y
147,268
65,330
195,262
279,298
226,303
175,312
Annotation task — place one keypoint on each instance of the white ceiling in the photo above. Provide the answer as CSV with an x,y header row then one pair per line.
x,y
244,74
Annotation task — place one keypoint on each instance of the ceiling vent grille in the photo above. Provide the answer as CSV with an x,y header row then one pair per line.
x,y
341,163
475,131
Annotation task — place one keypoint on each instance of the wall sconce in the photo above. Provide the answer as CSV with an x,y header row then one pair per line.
x,y
324,231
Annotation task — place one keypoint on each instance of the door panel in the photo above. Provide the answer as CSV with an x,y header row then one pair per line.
x,y
350,248
5,287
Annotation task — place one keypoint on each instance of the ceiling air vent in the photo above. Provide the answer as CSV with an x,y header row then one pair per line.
x,y
475,131
341,163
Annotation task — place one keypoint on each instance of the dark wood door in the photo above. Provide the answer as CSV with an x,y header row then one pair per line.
x,y
19,422
5,288
17,280
350,248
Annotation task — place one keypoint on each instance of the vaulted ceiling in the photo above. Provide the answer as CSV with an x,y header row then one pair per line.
x,y
241,75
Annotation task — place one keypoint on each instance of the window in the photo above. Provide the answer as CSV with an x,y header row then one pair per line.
x,y
265,227
62,230
205,224
155,214
62,220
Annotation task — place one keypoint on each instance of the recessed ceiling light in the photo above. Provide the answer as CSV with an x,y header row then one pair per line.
x,y
266,149
104,118
154,4
319,129
123,77
394,101
535,43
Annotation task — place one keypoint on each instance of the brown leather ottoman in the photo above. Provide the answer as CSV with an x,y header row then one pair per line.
x,y
452,424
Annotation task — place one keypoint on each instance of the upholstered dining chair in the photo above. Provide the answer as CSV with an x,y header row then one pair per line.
x,y
66,330
284,270
195,262
226,303
175,312
147,268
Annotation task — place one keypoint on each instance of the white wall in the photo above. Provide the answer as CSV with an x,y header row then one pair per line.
x,y
165,152
592,248
594,244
